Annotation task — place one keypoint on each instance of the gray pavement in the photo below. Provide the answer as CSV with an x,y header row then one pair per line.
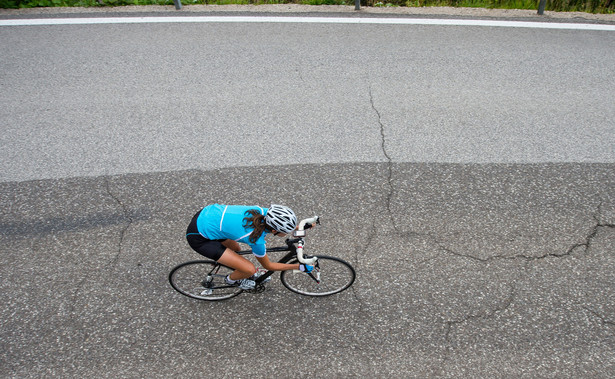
x,y
467,173
102,100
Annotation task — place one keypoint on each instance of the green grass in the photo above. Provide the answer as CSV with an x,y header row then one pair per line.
x,y
590,6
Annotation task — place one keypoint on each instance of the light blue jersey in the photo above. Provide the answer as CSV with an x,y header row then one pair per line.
x,y
221,222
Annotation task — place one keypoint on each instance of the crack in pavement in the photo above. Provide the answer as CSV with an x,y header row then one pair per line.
x,y
450,324
388,198
358,253
586,244
81,283
125,229
389,195
602,318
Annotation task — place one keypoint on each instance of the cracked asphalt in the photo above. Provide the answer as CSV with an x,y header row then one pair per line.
x,y
468,174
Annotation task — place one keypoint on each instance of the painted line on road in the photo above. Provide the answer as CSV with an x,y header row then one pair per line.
x,y
313,20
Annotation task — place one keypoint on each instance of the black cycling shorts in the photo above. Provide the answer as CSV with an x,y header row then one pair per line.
x,y
212,249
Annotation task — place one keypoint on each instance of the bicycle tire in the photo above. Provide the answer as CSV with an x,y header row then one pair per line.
x,y
336,275
192,279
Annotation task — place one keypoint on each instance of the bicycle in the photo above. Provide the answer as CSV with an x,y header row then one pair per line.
x,y
204,279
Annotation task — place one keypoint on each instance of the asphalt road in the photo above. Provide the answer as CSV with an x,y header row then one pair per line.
x,y
468,173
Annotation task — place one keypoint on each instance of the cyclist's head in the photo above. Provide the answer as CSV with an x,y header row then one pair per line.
x,y
281,218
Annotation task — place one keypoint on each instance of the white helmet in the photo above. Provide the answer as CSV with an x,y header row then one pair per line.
x,y
281,218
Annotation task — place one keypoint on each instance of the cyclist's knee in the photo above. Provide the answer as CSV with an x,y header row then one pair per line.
x,y
252,269
247,268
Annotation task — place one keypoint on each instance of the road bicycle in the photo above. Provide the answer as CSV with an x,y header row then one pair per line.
x,y
204,279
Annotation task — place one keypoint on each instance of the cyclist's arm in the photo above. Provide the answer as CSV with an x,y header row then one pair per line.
x,y
275,266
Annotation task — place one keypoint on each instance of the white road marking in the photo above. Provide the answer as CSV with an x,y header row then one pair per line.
x,y
319,20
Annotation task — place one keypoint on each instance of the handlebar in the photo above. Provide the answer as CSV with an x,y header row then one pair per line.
x,y
301,242
313,220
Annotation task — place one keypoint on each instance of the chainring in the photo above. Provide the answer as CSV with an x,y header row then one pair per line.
x,y
260,288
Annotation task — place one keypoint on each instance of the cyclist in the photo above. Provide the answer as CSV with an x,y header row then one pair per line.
x,y
215,231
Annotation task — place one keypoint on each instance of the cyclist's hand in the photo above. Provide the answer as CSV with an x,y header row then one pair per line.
x,y
306,268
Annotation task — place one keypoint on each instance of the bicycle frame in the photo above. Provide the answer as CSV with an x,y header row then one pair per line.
x,y
292,246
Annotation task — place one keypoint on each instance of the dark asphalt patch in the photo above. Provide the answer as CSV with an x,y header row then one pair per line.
x,y
463,270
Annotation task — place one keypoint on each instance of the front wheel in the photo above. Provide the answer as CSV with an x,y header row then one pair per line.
x,y
203,280
335,276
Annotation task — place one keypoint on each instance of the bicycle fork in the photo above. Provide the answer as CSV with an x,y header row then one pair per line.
x,y
315,274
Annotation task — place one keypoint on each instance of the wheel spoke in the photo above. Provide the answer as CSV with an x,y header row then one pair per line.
x,y
197,280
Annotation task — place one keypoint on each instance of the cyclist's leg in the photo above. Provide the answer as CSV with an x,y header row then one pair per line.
x,y
243,267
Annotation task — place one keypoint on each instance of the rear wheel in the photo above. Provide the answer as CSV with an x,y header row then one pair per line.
x,y
203,280
335,276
